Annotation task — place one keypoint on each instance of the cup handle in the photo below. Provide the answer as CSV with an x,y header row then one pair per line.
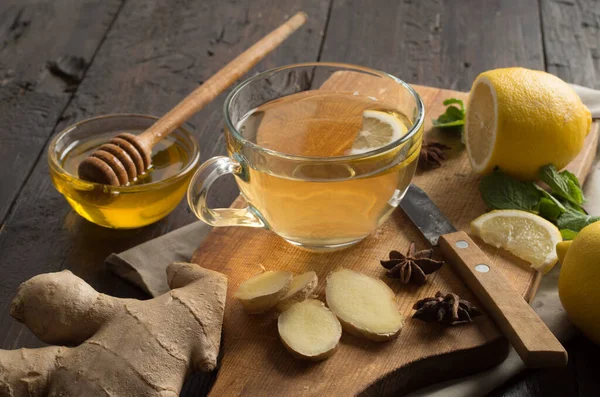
x,y
198,192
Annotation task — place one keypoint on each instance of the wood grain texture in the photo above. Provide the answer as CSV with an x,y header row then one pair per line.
x,y
143,68
110,166
32,99
156,53
571,31
531,338
255,362
219,82
435,42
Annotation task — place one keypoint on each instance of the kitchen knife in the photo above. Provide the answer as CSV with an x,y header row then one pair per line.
x,y
530,337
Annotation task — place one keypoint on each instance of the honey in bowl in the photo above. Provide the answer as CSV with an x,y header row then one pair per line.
x,y
151,197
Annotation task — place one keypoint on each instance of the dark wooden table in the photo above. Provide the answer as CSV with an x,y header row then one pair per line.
x,y
143,56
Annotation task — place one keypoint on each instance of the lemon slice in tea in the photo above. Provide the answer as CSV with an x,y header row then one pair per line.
x,y
378,129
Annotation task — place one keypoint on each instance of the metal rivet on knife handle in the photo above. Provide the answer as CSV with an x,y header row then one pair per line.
x,y
482,268
462,244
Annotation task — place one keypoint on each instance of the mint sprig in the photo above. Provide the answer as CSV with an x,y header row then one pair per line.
x,y
454,116
562,205
563,184
549,207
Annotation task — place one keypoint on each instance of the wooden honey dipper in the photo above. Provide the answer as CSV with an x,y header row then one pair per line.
x,y
126,156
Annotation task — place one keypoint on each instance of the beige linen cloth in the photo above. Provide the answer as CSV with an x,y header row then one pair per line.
x,y
145,266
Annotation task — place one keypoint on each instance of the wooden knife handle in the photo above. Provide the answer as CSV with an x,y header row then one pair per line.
x,y
528,334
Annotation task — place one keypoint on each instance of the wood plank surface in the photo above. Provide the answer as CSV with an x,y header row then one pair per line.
x,y
33,33
255,362
436,42
156,52
571,32
153,56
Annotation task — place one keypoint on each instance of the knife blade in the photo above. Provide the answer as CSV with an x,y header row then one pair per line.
x,y
426,216
531,338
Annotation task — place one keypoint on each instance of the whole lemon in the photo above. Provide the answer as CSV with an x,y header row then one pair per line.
x,y
579,281
520,120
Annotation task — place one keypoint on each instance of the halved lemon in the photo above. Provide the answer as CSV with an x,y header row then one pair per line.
x,y
521,120
481,125
528,236
379,128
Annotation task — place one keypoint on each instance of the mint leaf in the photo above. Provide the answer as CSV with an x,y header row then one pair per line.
x,y
563,184
575,220
549,209
572,206
568,234
502,192
453,117
572,177
548,206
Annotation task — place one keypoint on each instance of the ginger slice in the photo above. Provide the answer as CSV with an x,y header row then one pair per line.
x,y
262,292
364,305
309,330
302,286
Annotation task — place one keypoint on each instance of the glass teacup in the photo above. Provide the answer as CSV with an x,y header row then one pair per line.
x,y
322,153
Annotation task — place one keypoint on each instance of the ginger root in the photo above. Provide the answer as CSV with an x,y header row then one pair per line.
x,y
262,292
123,347
302,286
364,305
309,330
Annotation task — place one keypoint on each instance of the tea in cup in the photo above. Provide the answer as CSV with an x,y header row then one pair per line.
x,y
322,153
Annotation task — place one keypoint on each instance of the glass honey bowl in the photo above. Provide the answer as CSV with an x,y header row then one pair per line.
x,y
151,198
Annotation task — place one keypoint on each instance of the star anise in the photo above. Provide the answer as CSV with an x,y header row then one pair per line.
x,y
432,154
413,266
447,309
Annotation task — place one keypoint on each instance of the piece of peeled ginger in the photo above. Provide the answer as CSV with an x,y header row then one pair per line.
x,y
303,285
365,306
262,292
309,330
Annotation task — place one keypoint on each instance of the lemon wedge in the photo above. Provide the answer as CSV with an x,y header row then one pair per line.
x,y
379,128
528,236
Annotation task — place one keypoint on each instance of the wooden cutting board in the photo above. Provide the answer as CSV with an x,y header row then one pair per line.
x,y
255,363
